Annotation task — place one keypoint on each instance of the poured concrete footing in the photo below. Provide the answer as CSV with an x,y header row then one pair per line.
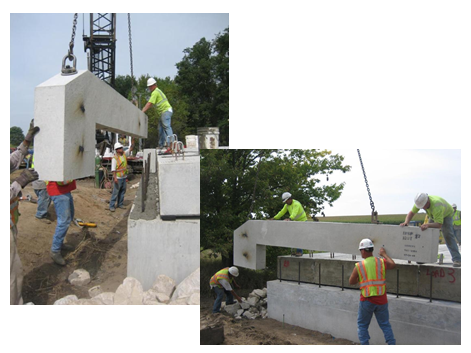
x,y
333,311
166,245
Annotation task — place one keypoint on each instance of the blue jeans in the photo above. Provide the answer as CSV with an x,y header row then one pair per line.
x,y
219,295
164,127
450,240
43,202
64,206
118,193
365,313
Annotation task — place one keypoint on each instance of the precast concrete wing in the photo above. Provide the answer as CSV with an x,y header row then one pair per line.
x,y
407,243
68,110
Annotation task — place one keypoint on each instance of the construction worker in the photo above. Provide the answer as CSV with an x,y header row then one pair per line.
x,y
221,283
457,224
119,168
165,111
442,214
61,196
296,213
371,274
17,182
44,201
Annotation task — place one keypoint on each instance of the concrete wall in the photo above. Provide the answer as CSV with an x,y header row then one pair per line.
x,y
333,311
69,109
409,243
162,247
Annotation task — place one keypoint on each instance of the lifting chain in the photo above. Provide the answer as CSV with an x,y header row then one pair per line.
x,y
67,70
374,214
133,89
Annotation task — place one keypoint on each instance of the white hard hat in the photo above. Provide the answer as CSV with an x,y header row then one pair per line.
x,y
366,244
285,196
421,199
454,205
151,81
117,145
234,271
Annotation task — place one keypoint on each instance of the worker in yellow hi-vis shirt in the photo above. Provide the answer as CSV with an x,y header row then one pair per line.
x,y
296,213
165,111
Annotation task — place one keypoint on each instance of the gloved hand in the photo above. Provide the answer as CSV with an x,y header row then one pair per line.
x,y
27,177
32,131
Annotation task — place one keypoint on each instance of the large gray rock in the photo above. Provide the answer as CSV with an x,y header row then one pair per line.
x,y
249,315
245,305
94,291
152,297
253,300
260,293
164,284
79,277
70,299
232,309
129,293
194,299
107,298
188,286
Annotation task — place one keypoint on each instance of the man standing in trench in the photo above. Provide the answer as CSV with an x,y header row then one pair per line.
x,y
165,111
371,274
119,168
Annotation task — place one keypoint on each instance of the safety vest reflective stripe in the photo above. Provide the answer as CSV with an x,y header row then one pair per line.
x,y
372,286
14,213
457,218
222,274
300,215
121,166
164,99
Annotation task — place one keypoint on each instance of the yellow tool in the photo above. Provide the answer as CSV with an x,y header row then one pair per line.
x,y
81,223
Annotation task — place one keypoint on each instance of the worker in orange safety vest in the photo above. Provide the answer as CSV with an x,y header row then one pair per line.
x,y
221,283
371,274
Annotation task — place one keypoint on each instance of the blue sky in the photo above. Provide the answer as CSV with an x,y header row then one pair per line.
x,y
395,176
38,42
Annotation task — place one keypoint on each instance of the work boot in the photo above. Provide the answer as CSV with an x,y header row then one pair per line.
x,y
112,209
122,207
57,257
456,263
67,247
43,220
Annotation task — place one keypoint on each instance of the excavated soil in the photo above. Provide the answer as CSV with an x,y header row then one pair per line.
x,y
102,251
262,331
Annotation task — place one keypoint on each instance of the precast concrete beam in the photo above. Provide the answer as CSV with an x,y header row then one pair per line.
x,y
408,243
69,109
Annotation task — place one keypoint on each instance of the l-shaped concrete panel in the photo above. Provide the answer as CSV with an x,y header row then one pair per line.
x,y
407,243
69,109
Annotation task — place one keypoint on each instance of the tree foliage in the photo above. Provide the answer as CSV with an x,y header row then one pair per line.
x,y
237,185
199,94
16,135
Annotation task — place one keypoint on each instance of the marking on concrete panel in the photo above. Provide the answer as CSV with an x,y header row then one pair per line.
x,y
69,109
251,239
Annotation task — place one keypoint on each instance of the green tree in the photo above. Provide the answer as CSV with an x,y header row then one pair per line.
x,y
237,185
203,76
16,136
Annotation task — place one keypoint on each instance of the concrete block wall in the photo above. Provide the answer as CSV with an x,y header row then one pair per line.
x,y
414,280
333,311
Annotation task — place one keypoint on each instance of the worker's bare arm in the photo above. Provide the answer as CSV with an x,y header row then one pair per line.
x,y
431,225
390,264
354,276
147,107
409,216
239,299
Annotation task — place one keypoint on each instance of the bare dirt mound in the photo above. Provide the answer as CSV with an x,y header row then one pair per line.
x,y
262,331
102,251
